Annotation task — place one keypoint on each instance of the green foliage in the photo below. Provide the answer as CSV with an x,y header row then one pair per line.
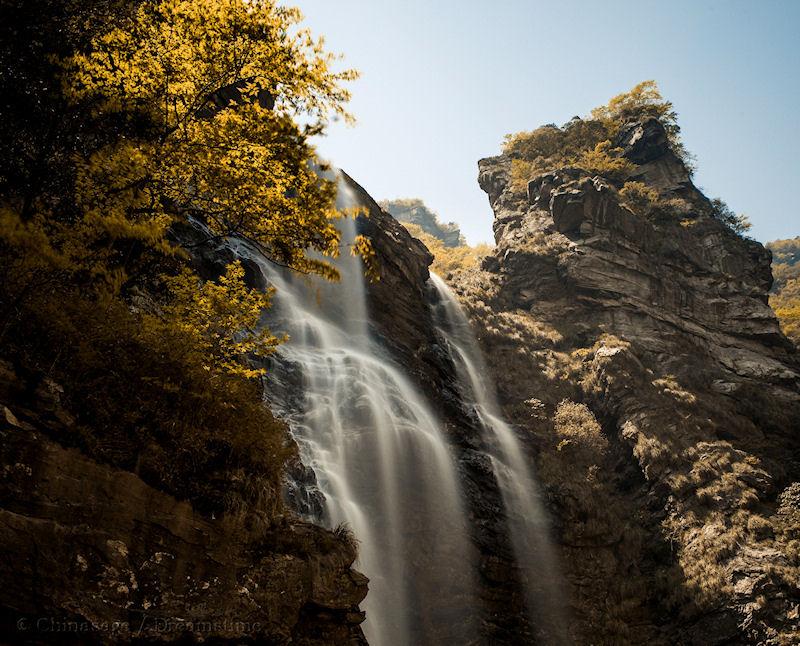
x,y
737,222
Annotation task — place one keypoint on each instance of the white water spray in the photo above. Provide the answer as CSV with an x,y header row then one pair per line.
x,y
527,521
377,452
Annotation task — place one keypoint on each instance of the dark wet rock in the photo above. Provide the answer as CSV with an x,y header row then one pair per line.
x,y
643,141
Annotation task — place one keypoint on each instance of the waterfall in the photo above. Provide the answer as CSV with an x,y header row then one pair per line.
x,y
378,453
527,521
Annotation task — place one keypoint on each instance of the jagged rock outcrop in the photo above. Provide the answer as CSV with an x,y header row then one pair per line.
x,y
414,211
686,531
94,554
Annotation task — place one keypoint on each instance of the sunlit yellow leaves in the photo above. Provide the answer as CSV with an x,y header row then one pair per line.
x,y
448,259
221,320
170,56
220,86
786,304
638,197
586,143
362,247
190,109
605,160
642,99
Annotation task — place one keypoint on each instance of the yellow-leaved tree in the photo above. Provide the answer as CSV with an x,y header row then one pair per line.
x,y
785,297
586,143
786,304
132,120
222,320
218,88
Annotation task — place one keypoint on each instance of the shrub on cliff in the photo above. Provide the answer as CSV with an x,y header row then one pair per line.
x,y
786,303
638,197
785,297
414,211
551,147
606,161
646,202
130,117
785,261
580,434
737,222
447,259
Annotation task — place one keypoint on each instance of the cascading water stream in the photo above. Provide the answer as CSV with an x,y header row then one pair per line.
x,y
527,521
377,452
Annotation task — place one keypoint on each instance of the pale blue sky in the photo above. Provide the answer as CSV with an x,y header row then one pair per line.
x,y
444,80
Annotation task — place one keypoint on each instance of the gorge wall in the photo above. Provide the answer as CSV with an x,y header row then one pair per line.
x,y
681,526
102,551
415,212
95,554
401,306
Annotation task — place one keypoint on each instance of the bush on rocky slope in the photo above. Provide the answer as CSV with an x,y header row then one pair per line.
x,y
786,303
447,259
586,143
141,472
655,310
785,297
785,260
415,212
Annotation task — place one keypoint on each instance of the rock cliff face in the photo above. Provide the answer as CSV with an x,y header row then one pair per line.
x,y
94,554
686,530
682,527
414,211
